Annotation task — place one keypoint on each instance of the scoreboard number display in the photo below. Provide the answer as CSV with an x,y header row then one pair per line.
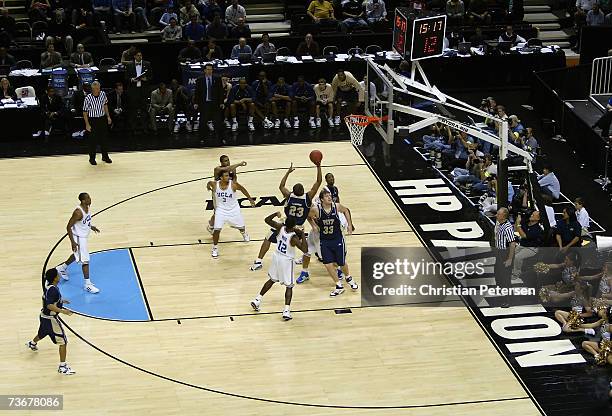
x,y
418,37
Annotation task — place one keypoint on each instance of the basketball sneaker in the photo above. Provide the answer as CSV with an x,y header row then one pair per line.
x,y
330,121
277,123
312,123
296,123
352,283
89,287
255,304
234,126
211,126
177,126
251,126
245,237
337,120
338,290
287,316
287,123
32,346
256,266
227,124
214,253
61,270
65,370
318,121
303,277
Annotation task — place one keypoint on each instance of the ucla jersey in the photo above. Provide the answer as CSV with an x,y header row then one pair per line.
x,y
82,228
329,224
298,207
225,199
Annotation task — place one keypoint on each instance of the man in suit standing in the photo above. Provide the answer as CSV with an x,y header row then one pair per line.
x,y
138,75
117,105
208,100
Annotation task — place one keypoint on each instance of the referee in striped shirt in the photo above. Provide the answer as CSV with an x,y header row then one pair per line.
x,y
505,245
97,120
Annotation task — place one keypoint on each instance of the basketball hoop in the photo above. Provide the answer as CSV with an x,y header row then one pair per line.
x,y
357,125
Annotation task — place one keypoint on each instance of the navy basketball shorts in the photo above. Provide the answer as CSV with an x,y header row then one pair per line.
x,y
52,327
333,251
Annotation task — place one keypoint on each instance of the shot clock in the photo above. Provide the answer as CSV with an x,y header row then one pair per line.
x,y
418,37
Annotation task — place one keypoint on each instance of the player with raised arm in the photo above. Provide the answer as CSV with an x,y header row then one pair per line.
x,y
333,249
224,167
227,208
79,227
281,268
297,205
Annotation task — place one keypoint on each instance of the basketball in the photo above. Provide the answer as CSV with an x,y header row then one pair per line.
x,y
316,157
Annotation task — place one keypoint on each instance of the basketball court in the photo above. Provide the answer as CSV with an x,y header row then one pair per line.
x,y
172,331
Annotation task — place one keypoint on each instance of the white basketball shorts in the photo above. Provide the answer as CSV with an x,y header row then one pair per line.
x,y
233,218
281,270
81,254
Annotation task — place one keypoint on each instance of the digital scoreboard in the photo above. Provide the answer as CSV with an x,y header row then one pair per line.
x,y
417,38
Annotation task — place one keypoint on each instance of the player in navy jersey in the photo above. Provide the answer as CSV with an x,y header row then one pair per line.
x,y
50,325
217,172
297,205
326,219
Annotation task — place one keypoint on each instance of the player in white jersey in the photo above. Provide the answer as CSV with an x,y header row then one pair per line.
x,y
79,227
223,167
227,208
281,268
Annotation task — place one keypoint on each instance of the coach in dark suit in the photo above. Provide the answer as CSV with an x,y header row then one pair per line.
x,y
138,74
208,100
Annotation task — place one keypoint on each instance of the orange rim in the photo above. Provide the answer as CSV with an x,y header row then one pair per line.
x,y
361,120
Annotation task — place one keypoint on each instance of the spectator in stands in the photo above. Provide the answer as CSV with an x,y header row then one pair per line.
x,y
160,7
212,51
161,104
582,8
515,124
187,11
138,74
80,58
455,10
50,58
531,238
241,98
38,10
6,91
182,104
190,52
7,27
140,11
242,47
501,112
124,13
582,215
6,58
261,89
346,89
353,13
324,95
164,20
595,17
264,47
233,13
376,11
117,106
549,184
54,110
60,31
478,12
569,231
209,9
217,28
510,36
241,30
103,11
172,32
82,13
304,99
128,55
194,30
531,143
477,39
280,98
322,13
605,120
308,47
227,87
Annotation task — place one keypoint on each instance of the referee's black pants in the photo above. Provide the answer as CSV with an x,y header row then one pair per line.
x,y
98,136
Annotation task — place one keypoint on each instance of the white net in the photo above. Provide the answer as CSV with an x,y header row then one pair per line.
x,y
356,125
